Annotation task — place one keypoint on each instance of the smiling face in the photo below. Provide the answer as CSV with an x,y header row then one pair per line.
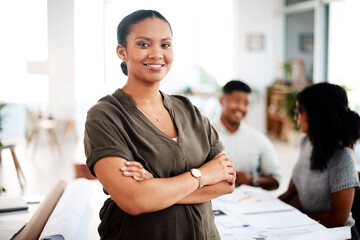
x,y
149,53
234,107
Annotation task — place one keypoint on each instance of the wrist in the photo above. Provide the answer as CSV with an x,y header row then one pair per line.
x,y
255,181
204,179
196,173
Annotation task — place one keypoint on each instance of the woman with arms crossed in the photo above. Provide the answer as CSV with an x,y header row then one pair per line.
x,y
138,125
324,178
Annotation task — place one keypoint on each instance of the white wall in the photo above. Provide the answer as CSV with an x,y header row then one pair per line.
x,y
89,57
258,69
61,57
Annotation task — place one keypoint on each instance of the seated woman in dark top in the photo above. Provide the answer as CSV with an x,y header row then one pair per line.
x,y
324,178
138,125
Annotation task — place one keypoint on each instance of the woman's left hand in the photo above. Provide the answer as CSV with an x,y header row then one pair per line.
x,y
136,171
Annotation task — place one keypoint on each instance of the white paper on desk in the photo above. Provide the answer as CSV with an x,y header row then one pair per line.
x,y
246,193
262,206
64,220
339,233
235,233
246,202
284,219
229,221
240,198
224,232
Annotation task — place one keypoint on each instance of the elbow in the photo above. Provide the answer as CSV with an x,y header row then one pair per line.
x,y
132,208
133,212
336,223
338,219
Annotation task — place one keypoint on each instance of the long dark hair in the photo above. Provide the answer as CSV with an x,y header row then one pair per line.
x,y
331,124
124,27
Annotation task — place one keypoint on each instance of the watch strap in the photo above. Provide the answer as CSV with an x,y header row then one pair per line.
x,y
255,180
200,182
197,176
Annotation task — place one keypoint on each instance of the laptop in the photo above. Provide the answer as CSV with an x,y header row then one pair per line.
x,y
10,204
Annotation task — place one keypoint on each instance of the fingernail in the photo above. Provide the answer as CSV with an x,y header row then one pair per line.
x,y
126,173
123,168
135,177
127,163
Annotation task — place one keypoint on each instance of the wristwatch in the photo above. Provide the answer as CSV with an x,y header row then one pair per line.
x,y
255,180
197,174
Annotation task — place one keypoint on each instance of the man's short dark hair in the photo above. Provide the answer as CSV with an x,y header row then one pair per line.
x,y
236,85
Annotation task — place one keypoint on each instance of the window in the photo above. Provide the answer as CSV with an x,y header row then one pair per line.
x,y
344,48
24,39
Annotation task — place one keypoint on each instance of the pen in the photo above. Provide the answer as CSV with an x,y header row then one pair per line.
x,y
244,198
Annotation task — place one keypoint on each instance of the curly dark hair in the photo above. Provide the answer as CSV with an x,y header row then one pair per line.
x,y
332,125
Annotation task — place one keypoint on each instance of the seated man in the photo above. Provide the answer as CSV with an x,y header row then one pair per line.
x,y
251,151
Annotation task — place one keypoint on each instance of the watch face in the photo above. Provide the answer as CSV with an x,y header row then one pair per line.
x,y
196,172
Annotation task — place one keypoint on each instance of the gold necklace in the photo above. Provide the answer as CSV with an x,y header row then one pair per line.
x,y
157,119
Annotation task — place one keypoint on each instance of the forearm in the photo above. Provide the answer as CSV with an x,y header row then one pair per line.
x,y
268,182
341,203
328,219
145,196
156,194
207,193
290,194
136,196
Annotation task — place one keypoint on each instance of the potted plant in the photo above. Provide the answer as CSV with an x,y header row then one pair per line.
x,y
287,67
289,105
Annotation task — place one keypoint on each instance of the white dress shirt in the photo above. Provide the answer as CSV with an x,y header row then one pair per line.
x,y
249,149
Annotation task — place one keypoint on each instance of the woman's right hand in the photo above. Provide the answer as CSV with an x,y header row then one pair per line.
x,y
136,171
220,168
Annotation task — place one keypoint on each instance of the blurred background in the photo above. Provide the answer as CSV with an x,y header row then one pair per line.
x,y
57,58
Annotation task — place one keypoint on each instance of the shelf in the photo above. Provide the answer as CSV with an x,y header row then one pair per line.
x,y
277,122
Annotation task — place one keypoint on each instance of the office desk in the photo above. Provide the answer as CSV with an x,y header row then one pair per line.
x,y
250,213
80,204
12,222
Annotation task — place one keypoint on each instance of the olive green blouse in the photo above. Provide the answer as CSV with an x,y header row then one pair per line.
x,y
115,127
